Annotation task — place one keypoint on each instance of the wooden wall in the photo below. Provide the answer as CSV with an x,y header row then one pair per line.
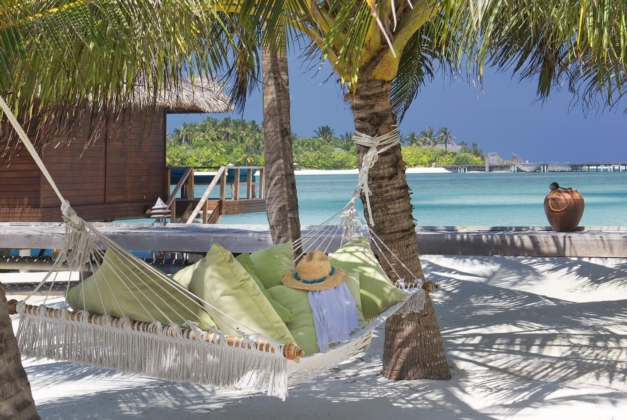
x,y
116,177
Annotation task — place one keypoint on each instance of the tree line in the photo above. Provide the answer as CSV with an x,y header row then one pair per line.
x,y
214,143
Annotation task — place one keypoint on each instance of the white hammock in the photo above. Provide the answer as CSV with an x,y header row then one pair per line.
x,y
249,362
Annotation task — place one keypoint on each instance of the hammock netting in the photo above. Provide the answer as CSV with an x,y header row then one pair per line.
x,y
174,347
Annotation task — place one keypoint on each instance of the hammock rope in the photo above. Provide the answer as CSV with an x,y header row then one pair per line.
x,y
249,362
376,145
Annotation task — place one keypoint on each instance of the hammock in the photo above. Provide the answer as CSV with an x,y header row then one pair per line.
x,y
179,350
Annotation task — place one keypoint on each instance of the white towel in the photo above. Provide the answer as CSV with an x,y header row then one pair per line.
x,y
335,315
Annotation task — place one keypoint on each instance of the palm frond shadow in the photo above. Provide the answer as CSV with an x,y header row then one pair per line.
x,y
584,275
511,350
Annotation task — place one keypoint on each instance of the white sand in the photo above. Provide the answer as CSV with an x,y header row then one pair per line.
x,y
526,338
355,171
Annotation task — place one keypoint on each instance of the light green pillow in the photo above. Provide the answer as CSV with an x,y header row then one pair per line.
x,y
271,264
377,291
353,287
248,264
302,327
141,295
222,281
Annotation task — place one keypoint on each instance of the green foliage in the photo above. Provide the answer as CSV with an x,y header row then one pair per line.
x,y
416,156
215,143
325,133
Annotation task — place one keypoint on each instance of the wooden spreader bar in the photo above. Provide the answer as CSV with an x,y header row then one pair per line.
x,y
290,351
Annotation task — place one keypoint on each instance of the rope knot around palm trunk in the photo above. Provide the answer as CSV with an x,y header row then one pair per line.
x,y
376,146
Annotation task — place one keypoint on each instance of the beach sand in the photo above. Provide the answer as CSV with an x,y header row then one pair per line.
x,y
526,338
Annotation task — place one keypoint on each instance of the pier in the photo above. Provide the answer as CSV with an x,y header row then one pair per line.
x,y
541,167
186,208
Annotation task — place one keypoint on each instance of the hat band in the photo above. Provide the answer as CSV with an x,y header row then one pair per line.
x,y
320,280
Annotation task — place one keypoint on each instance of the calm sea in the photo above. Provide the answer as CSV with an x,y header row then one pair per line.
x,y
469,199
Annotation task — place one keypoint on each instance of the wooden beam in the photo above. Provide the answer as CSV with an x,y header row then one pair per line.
x,y
205,196
540,242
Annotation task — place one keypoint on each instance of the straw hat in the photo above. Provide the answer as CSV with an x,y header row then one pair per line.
x,y
314,272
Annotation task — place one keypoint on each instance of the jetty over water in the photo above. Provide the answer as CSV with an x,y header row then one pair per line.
x,y
542,167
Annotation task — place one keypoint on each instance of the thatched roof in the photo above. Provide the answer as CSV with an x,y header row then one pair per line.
x,y
202,96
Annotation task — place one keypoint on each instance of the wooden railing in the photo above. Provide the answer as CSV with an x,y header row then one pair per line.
x,y
185,185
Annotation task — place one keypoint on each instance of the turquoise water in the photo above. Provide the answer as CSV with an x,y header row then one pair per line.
x,y
469,199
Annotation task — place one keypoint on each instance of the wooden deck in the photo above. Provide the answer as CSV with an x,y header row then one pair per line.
x,y
186,208
513,241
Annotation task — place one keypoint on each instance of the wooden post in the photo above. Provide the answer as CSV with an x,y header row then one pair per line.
x,y
190,184
236,184
223,186
250,192
262,183
205,212
168,182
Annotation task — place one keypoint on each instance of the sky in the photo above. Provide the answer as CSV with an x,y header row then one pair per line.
x,y
502,116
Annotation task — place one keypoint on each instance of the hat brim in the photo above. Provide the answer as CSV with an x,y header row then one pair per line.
x,y
338,277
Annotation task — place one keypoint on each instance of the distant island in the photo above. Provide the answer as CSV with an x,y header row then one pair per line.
x,y
214,143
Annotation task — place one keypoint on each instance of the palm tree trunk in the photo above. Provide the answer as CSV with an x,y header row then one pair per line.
x,y
281,198
413,346
16,400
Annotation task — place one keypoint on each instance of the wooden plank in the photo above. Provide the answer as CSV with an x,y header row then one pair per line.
x,y
20,181
205,196
19,174
594,242
187,214
9,190
19,198
127,152
235,194
232,207
172,196
222,186
215,214
250,192
262,183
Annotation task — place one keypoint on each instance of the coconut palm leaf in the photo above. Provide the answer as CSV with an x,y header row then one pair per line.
x,y
62,57
160,43
577,43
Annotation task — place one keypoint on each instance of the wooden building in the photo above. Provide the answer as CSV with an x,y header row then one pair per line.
x,y
118,175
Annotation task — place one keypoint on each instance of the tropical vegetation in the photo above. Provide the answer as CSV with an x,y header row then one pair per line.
x,y
214,143
382,51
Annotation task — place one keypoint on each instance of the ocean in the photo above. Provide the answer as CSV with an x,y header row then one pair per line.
x,y
467,199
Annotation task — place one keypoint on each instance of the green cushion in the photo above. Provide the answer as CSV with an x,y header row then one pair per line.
x,y
302,327
248,264
271,264
353,287
140,294
377,291
222,281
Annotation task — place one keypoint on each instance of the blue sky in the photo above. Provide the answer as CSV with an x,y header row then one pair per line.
x,y
504,117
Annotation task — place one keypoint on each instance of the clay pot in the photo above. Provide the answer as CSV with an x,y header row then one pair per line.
x,y
564,208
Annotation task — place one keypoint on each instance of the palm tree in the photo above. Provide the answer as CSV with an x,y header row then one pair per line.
x,y
346,141
427,137
382,51
445,137
412,139
16,400
281,198
325,132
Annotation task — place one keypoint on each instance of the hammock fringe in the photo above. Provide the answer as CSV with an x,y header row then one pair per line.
x,y
165,356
